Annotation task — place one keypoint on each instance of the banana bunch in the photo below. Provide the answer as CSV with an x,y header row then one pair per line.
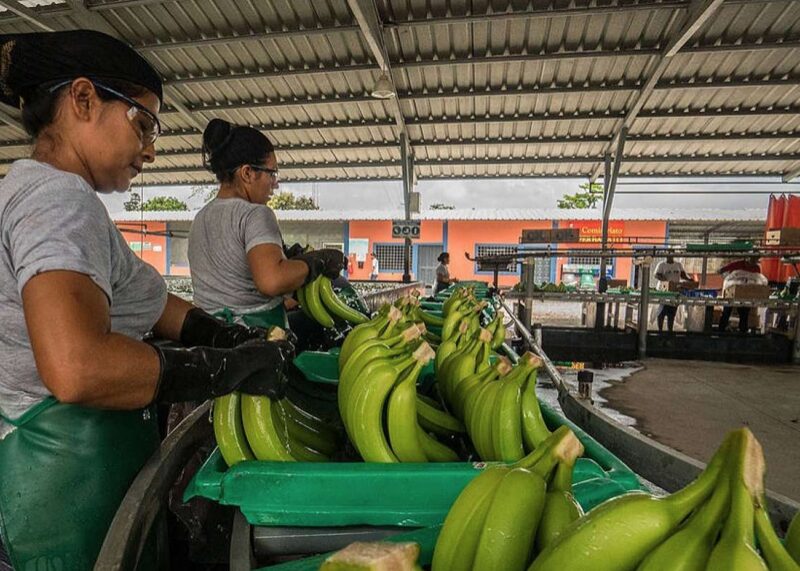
x,y
320,303
508,513
253,427
713,524
386,420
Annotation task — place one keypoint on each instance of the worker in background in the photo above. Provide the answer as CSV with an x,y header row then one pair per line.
x,y
239,268
78,385
745,271
443,279
668,271
373,274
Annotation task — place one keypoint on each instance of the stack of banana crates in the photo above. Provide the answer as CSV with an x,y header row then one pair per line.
x,y
299,511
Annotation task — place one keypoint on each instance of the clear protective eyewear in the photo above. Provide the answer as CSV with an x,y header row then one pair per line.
x,y
148,126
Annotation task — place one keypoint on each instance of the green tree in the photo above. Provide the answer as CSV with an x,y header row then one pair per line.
x,y
134,204
159,203
441,206
288,201
590,195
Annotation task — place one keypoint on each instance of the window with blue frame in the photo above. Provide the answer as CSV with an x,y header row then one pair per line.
x,y
390,257
482,250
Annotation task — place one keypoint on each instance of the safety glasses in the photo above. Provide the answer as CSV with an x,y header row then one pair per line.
x,y
141,118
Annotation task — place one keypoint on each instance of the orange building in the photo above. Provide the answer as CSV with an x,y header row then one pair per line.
x,y
160,237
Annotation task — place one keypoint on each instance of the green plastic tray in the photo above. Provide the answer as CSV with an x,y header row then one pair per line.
x,y
338,494
321,367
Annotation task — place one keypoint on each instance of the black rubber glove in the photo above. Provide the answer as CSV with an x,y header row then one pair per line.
x,y
201,329
326,262
293,250
257,367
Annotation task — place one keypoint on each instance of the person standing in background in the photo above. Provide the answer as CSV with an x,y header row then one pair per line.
x,y
667,272
373,274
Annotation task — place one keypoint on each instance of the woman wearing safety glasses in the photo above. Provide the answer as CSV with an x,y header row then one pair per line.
x,y
239,268
77,383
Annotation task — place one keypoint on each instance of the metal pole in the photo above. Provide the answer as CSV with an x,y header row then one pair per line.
x,y
704,272
530,279
555,376
644,305
796,345
599,316
406,164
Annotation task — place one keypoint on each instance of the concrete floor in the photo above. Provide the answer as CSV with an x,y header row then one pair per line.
x,y
690,405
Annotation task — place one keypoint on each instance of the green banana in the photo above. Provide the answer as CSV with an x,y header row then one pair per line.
x,y
484,434
301,299
510,527
618,534
446,348
315,306
560,507
458,541
462,391
434,450
534,429
229,430
371,386
792,540
451,323
364,365
304,433
336,306
499,332
778,558
459,364
299,451
366,331
438,421
401,418
365,411
735,550
427,318
464,364
507,423
689,548
262,433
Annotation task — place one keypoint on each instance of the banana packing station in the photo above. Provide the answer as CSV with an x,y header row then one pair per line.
x,y
469,389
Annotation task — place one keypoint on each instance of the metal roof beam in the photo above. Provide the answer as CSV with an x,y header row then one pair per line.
x,y
460,142
520,91
490,59
28,14
699,13
366,15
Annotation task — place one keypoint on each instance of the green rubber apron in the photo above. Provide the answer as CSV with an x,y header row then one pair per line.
x,y
64,470
268,317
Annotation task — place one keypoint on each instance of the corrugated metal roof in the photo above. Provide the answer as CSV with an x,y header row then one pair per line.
x,y
486,89
715,215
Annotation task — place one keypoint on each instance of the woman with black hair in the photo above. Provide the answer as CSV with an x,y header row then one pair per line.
x,y
443,279
239,268
78,386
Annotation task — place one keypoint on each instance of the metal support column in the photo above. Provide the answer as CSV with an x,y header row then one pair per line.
x,y
406,160
796,345
530,281
644,305
704,271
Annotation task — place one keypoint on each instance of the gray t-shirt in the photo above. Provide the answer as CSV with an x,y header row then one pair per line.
x,y
222,233
53,220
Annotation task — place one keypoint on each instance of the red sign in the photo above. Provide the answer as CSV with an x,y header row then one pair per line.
x,y
591,231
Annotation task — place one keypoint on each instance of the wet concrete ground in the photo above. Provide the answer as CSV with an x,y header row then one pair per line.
x,y
690,405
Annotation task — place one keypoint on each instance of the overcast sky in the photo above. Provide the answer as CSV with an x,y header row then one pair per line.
x,y
509,193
